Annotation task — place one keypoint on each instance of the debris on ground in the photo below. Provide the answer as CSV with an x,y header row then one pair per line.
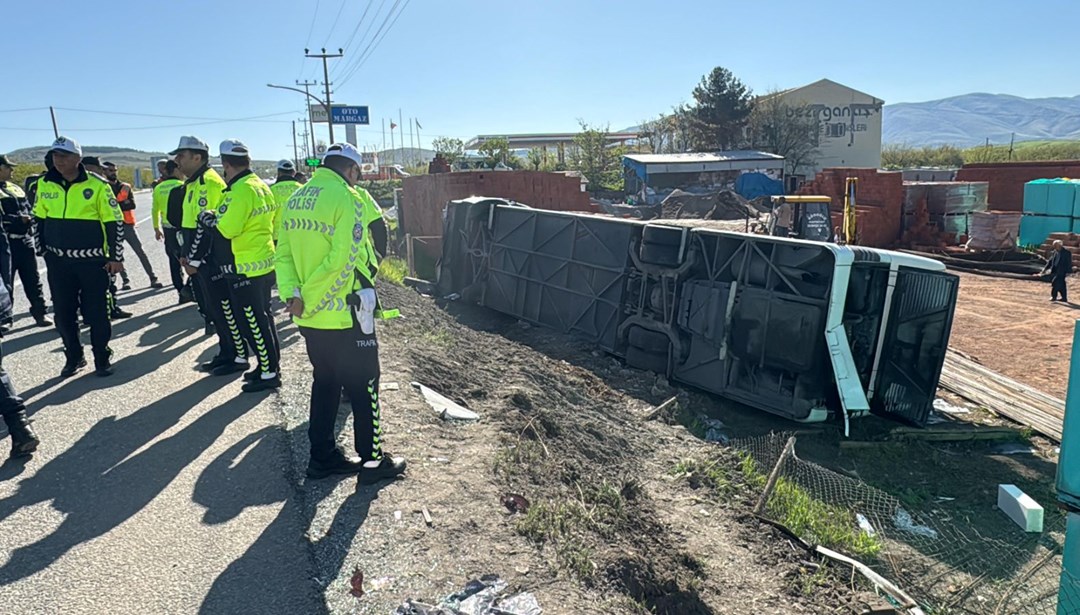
x,y
904,522
515,503
445,407
483,596
721,205
946,408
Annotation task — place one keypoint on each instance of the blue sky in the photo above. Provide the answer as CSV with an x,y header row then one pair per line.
x,y
485,66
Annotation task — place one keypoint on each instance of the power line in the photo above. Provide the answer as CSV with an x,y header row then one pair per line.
x,y
348,43
311,28
24,110
374,38
347,66
169,117
257,118
333,26
364,58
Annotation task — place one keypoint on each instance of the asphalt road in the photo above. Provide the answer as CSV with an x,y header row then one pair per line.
x,y
158,489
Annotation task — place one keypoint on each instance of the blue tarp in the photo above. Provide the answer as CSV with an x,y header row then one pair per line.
x,y
753,185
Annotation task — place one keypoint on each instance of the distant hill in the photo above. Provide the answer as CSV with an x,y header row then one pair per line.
x,y
970,119
121,156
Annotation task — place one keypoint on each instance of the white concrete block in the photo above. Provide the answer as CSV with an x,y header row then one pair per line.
x,y
1018,506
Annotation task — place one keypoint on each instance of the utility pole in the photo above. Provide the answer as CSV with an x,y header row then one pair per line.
x,y
1012,140
311,125
56,133
304,138
326,83
295,154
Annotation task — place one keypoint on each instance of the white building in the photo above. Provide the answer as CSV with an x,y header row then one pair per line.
x,y
849,125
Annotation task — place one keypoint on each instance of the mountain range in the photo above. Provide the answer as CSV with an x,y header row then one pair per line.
x,y
971,119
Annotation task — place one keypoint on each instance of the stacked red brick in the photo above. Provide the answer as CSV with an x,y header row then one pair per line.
x,y
424,196
879,202
1071,241
1007,179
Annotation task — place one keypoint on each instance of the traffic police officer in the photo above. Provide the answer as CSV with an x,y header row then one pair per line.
x,y
19,227
81,234
283,188
326,267
125,195
203,190
238,235
164,229
93,165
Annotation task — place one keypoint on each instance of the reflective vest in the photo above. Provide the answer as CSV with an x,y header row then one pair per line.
x,y
282,189
201,190
161,202
79,220
324,252
245,220
122,196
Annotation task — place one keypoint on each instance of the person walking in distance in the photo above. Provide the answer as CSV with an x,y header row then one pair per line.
x,y
19,227
125,196
326,267
81,235
164,228
1058,268
238,236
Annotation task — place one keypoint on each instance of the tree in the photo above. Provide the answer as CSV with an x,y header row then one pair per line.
x,y
451,149
497,151
788,130
540,160
722,105
593,156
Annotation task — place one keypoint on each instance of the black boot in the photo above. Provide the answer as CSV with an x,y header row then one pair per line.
x,y
388,468
103,363
74,364
23,439
337,463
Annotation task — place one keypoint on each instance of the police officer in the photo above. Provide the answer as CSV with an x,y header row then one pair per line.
x,y
19,227
80,229
162,173
283,188
239,238
326,267
23,439
171,179
203,190
125,195
93,165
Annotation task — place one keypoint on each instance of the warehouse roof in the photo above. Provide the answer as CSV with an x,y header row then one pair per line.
x,y
703,157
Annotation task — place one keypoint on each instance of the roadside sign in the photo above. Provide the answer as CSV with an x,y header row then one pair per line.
x,y
320,149
312,162
350,114
343,114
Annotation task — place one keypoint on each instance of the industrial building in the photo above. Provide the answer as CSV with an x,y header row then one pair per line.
x,y
660,171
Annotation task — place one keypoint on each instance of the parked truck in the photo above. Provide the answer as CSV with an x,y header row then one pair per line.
x,y
802,329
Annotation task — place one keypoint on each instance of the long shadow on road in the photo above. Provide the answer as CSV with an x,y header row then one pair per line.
x,y
267,577
98,483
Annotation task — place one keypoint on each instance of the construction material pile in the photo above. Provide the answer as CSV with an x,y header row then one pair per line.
x,y
993,230
721,205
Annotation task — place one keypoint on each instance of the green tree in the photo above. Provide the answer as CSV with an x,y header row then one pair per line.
x,y
497,151
451,149
596,159
784,129
721,108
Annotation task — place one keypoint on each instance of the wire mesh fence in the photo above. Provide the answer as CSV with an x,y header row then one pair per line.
x,y
948,563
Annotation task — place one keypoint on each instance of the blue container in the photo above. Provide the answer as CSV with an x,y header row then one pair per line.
x,y
1035,229
1061,197
1036,194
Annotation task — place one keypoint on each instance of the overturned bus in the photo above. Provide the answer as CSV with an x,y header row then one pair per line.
x,y
802,329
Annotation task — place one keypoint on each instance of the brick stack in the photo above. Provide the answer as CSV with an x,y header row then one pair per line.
x,y
1007,179
879,202
1071,241
921,231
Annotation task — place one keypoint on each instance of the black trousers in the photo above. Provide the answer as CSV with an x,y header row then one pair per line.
x,y
198,287
1057,287
251,298
24,262
216,291
344,358
132,239
172,250
81,285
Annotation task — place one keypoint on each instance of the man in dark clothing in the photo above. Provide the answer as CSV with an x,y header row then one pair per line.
x,y
93,166
125,196
23,440
19,229
1059,267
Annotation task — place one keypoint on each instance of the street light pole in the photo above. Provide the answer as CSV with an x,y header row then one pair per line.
x,y
310,124
312,97
326,83
295,155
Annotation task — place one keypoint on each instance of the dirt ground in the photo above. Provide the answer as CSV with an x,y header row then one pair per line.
x,y
1011,327
611,527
